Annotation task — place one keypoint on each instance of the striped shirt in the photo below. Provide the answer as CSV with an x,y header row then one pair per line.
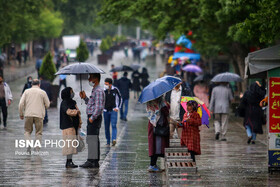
x,y
95,103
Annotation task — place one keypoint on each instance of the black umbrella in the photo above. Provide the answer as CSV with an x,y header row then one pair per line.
x,y
79,69
122,68
227,77
135,66
204,77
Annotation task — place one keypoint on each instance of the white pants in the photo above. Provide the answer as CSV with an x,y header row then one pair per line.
x,y
221,124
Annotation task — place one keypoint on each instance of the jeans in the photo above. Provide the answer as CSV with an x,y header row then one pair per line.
x,y
250,132
124,114
110,117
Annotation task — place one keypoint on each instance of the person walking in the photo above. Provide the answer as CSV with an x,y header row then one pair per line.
x,y
70,122
200,90
28,84
219,105
190,135
158,114
62,81
95,105
114,74
254,116
173,98
6,99
124,84
47,87
32,107
144,78
113,101
136,83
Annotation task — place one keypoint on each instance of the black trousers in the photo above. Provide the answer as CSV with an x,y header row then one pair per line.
x,y
154,160
192,155
4,111
93,139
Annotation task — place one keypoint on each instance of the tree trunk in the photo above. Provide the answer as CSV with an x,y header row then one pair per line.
x,y
239,52
30,47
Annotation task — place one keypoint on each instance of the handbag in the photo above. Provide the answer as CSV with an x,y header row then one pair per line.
x,y
160,129
241,110
81,146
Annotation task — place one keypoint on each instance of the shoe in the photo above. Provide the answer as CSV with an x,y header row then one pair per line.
x,y
153,169
249,140
28,150
217,136
88,164
125,119
223,139
107,145
114,142
70,165
4,128
253,142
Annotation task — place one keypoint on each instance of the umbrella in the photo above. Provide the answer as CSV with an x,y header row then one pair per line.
x,y
202,110
122,68
188,55
79,69
158,88
227,77
184,41
135,66
192,68
202,78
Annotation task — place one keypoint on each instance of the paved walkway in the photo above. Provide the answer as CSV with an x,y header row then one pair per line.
x,y
231,163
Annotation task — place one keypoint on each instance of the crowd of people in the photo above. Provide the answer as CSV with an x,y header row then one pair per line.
x,y
165,112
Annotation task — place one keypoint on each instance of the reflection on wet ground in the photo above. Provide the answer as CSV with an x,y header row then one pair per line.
x,y
231,163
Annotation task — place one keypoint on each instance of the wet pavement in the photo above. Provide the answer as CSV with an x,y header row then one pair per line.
x,y
231,163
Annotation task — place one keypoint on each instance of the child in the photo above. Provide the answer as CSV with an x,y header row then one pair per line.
x,y
190,134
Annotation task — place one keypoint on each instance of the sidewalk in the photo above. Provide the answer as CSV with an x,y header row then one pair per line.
x,y
13,71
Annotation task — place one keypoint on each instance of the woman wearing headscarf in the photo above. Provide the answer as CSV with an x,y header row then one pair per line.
x,y
254,115
144,78
158,114
70,122
28,84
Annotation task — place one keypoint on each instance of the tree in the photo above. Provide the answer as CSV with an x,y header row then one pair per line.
x,y
225,26
48,68
82,52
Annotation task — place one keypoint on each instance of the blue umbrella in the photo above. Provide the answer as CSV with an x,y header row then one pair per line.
x,y
158,88
191,56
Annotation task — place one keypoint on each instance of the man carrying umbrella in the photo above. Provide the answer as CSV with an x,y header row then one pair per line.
x,y
220,99
95,105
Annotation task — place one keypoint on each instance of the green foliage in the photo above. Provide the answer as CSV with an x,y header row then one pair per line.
x,y
22,21
82,52
104,46
48,68
50,24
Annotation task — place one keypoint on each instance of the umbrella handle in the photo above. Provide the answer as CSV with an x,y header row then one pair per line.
x,y
81,87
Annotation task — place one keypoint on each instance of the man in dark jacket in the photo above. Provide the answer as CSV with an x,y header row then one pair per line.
x,y
113,101
47,87
177,112
124,84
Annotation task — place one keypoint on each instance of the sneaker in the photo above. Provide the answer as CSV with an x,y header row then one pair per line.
x,y
125,119
153,169
114,142
223,139
217,136
253,142
107,145
249,140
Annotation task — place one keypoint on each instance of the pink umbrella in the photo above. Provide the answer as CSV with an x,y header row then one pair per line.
x,y
192,68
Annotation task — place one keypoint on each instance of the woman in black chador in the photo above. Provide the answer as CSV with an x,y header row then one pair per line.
x,y
253,114
144,78
136,83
